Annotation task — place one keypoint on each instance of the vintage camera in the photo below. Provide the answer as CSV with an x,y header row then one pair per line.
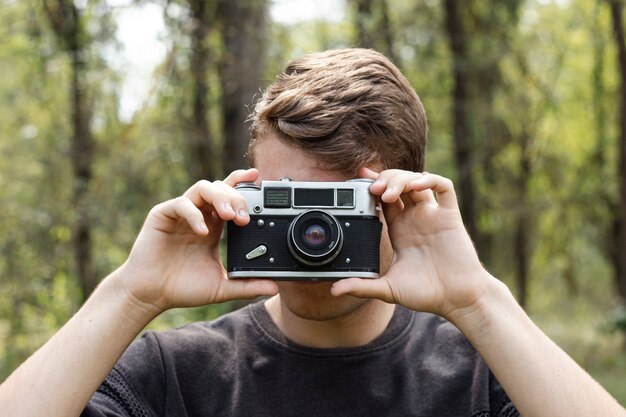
x,y
308,231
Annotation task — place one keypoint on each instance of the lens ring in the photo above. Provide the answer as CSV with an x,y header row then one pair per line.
x,y
315,251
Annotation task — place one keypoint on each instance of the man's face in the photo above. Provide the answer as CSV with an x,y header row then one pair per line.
x,y
309,300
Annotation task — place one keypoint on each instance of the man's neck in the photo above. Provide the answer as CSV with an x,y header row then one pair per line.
x,y
356,328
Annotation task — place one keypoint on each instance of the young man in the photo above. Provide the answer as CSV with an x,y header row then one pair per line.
x,y
436,335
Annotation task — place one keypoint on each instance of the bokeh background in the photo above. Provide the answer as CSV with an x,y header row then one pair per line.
x,y
110,107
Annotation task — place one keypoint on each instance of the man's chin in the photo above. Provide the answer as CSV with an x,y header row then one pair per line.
x,y
312,300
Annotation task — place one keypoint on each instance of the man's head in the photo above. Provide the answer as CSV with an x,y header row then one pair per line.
x,y
325,117
347,109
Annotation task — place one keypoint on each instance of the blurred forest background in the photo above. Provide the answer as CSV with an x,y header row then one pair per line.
x,y
526,110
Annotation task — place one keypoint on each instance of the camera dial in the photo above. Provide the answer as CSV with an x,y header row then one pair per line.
x,y
315,238
247,186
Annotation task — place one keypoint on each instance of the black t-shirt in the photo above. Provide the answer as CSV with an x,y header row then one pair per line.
x,y
242,365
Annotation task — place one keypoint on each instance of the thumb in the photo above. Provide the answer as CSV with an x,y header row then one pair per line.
x,y
242,288
364,288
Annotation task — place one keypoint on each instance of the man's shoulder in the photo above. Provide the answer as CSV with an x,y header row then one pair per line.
x,y
225,329
433,325
432,334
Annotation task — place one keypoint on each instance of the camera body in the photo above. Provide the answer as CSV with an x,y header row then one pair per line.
x,y
308,231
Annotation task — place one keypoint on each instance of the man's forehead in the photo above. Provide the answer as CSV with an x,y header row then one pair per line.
x,y
298,173
275,159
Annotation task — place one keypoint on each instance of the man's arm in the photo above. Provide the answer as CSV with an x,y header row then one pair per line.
x,y
436,269
60,378
174,263
538,376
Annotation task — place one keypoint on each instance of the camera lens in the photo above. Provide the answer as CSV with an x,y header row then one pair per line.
x,y
315,238
315,235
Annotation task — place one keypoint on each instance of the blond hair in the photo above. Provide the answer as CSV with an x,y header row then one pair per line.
x,y
347,108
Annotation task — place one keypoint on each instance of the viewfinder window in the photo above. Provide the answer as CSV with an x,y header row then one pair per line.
x,y
314,197
345,198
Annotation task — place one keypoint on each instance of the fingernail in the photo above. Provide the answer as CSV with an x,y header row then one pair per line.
x,y
243,213
202,227
228,207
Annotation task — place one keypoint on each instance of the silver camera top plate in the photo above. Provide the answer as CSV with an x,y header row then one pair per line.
x,y
286,197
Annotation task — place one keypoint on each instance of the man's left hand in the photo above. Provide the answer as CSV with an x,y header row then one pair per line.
x,y
435,266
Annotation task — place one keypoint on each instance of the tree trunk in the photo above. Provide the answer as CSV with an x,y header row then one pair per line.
x,y
240,71
620,247
65,21
386,33
462,134
606,207
523,223
599,92
373,27
82,158
362,21
201,144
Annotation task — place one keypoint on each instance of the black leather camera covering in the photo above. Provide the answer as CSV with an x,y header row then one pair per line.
x,y
359,253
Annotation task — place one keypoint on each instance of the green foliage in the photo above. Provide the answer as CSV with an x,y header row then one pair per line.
x,y
617,321
556,72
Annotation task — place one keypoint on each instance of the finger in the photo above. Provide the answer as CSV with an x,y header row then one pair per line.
x,y
378,186
242,175
413,197
390,173
238,289
228,203
183,208
235,177
205,192
446,196
368,173
406,198
363,288
237,202
381,180
398,184
392,211
240,204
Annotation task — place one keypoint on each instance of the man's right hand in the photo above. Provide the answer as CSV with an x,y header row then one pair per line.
x,y
175,260
174,263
